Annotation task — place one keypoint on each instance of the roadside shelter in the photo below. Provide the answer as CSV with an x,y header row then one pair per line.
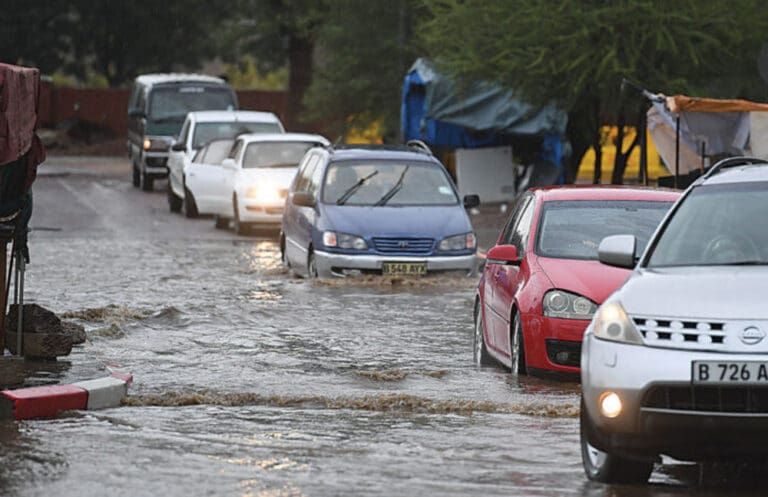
x,y
449,116
692,133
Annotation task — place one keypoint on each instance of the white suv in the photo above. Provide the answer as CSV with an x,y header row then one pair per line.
x,y
676,361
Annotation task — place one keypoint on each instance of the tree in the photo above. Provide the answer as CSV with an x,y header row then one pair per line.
x,y
275,32
120,39
576,53
34,34
364,50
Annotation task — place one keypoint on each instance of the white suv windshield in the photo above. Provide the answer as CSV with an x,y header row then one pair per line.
x,y
574,229
387,183
722,224
205,132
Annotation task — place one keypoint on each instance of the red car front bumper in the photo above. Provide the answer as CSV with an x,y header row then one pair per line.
x,y
552,344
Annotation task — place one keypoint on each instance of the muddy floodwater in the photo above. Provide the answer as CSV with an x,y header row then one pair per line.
x,y
251,382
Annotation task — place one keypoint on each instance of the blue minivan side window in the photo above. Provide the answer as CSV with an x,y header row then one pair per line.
x,y
304,178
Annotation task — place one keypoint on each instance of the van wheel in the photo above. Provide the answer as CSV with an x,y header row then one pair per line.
x,y
146,182
480,354
136,180
190,206
609,468
174,202
517,347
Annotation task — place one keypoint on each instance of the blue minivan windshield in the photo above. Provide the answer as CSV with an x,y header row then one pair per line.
x,y
387,183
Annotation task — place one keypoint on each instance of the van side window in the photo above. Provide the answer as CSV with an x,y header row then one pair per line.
x,y
134,97
141,100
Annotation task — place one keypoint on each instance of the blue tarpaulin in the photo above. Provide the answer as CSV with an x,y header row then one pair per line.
x,y
442,114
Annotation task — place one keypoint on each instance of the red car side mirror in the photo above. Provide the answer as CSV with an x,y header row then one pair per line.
x,y
503,254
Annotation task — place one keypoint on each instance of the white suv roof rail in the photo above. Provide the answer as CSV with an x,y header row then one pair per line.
x,y
733,162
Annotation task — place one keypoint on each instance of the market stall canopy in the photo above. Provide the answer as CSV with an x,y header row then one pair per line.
x,y
709,129
19,90
439,111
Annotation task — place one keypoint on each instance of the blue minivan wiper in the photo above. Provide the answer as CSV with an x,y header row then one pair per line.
x,y
393,191
352,189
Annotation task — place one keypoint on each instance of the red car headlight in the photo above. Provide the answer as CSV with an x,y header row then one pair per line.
x,y
566,305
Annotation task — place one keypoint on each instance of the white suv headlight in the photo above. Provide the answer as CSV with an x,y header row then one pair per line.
x,y
566,305
612,323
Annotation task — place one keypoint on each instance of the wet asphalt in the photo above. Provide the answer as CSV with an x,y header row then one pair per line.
x,y
252,382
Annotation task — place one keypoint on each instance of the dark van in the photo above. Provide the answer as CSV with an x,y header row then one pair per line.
x,y
156,110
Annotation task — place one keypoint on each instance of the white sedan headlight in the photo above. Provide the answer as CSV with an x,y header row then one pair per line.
x,y
566,305
612,323
264,194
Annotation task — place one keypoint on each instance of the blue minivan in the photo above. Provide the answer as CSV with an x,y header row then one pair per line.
x,y
376,210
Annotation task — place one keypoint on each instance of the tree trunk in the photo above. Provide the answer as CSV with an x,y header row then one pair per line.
x,y
598,148
579,132
597,144
300,51
619,162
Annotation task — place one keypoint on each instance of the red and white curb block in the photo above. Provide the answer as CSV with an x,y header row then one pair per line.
x,y
47,402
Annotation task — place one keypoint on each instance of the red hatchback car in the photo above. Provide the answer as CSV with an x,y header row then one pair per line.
x,y
542,281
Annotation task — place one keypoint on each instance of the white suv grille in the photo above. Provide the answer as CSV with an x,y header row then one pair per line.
x,y
682,334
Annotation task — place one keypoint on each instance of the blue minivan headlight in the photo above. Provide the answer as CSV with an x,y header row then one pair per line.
x,y
466,241
343,241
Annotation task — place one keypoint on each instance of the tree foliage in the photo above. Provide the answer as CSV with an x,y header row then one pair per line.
x,y
364,50
577,52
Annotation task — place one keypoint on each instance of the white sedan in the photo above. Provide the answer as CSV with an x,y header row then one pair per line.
x,y
200,128
250,186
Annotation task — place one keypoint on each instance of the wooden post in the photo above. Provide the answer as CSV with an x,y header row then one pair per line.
x,y
677,150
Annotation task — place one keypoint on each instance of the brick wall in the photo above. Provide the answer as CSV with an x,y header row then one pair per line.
x,y
108,106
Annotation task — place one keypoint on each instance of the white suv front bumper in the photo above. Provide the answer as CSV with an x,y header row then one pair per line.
x,y
644,426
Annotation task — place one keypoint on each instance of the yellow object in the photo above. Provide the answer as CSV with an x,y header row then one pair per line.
x,y
587,167
371,134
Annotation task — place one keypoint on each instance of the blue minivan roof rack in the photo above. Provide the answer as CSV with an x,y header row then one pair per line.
x,y
733,162
411,146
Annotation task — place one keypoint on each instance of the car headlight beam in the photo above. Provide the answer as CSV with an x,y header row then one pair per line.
x,y
612,323
566,305
264,194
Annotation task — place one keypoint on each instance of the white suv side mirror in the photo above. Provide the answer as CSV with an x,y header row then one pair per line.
x,y
229,164
618,250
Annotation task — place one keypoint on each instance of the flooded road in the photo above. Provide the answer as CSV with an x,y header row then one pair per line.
x,y
251,382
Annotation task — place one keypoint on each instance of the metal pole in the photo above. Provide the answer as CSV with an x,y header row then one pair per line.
x,y
677,149
703,155
644,151
16,303
20,331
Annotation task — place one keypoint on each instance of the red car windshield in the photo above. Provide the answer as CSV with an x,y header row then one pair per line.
x,y
574,229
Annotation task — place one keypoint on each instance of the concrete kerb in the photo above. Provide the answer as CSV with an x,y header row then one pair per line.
x,y
48,401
